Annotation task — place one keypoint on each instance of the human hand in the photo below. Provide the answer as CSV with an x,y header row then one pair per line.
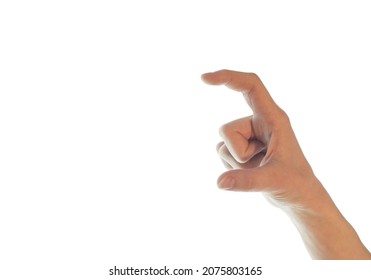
x,y
264,155
262,151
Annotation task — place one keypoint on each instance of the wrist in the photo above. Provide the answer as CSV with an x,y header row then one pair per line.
x,y
324,230
315,201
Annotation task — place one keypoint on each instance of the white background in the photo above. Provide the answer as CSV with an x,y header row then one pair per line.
x,y
107,134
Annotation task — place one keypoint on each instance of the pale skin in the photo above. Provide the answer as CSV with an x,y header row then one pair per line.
x,y
262,154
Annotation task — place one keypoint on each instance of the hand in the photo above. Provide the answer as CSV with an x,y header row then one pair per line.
x,y
263,155
261,150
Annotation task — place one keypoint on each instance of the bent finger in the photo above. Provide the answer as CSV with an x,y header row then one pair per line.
x,y
239,138
254,160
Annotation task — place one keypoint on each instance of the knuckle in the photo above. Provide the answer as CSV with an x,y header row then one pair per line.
x,y
223,70
222,152
248,181
219,146
225,130
278,118
241,158
255,78
282,117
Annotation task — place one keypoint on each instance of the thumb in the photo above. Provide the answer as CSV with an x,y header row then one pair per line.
x,y
250,180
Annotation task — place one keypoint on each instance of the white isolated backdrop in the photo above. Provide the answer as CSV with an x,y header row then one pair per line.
x,y
107,133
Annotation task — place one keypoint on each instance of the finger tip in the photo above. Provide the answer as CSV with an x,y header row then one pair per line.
x,y
219,77
206,76
226,182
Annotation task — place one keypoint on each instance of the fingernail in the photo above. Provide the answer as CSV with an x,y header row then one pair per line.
x,y
227,183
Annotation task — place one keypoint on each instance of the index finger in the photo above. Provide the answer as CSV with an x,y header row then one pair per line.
x,y
249,84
